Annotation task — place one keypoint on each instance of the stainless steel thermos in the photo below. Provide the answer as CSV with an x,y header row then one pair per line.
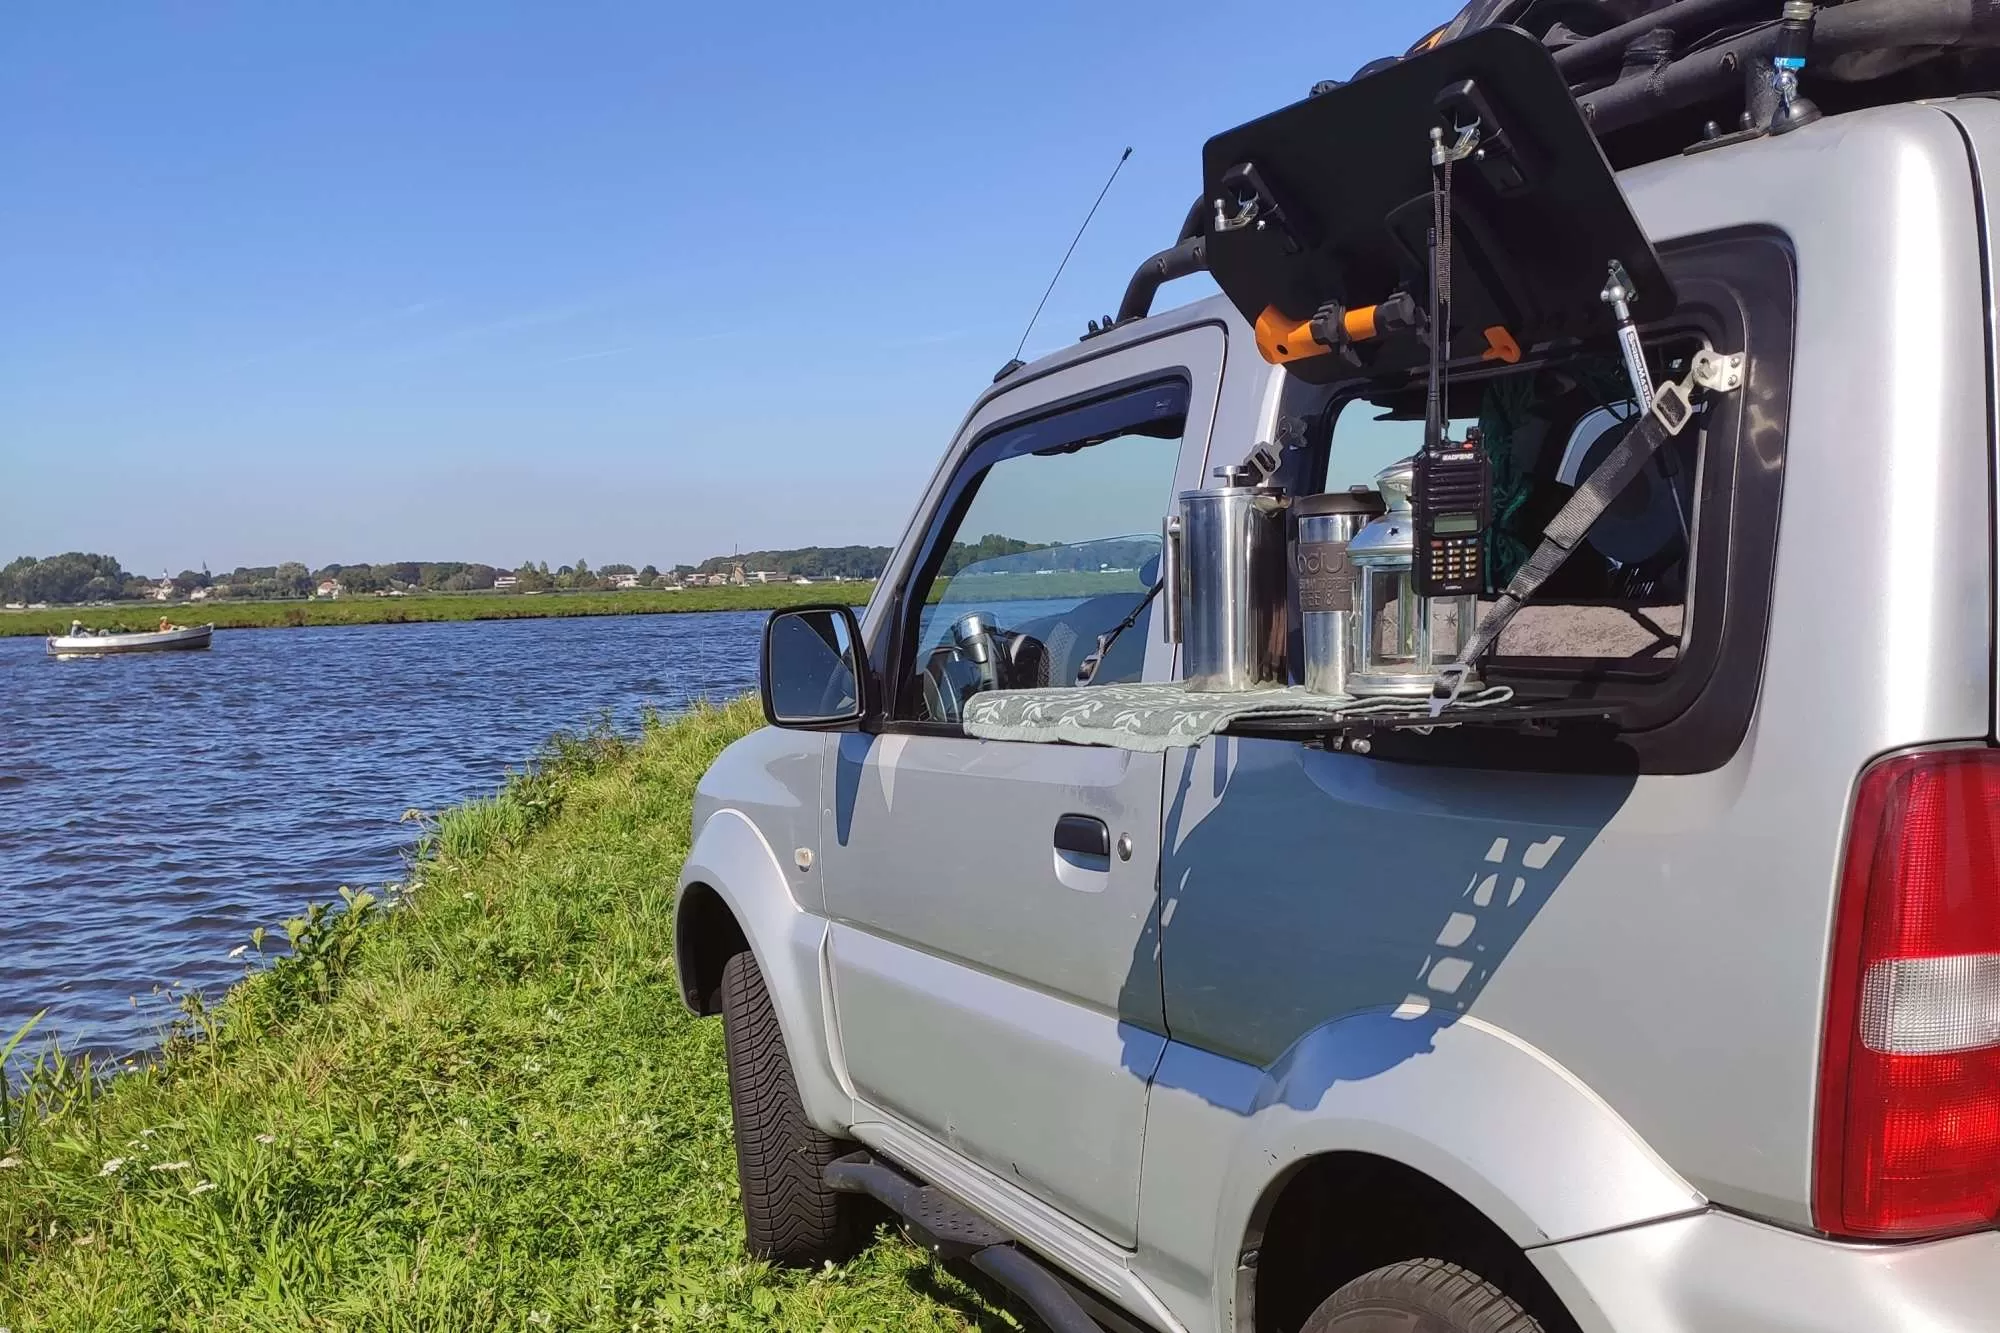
x,y
1223,573
1325,580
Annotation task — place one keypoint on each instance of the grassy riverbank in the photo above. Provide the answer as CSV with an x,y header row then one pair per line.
x,y
441,606
484,1109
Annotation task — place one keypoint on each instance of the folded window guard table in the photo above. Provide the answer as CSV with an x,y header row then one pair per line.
x,y
1153,718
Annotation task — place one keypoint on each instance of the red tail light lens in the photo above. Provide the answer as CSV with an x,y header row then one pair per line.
x,y
1909,1100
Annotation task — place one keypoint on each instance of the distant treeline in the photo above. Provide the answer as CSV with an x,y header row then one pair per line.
x,y
72,577
76,577
813,562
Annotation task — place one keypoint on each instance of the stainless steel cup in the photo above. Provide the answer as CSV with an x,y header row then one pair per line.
x,y
1325,580
1225,584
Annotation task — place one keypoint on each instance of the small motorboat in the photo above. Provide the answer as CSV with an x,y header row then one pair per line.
x,y
80,642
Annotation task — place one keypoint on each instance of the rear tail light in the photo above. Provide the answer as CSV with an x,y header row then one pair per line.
x,y
1909,1099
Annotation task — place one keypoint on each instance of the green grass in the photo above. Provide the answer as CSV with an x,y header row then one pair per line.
x,y
483,1109
440,606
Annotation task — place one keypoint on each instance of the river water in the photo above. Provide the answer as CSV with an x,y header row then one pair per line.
x,y
154,808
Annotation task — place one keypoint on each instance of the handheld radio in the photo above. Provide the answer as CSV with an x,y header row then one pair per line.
x,y
1453,501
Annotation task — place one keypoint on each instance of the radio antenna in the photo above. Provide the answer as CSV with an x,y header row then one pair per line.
x,y
1015,364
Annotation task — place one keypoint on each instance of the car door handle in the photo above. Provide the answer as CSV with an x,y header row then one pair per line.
x,y
1083,836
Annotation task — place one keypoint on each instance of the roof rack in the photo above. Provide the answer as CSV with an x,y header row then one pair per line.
x,y
1687,70
1688,75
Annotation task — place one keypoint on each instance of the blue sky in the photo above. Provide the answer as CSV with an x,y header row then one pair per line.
x,y
634,282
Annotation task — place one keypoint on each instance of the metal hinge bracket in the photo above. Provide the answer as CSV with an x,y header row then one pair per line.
x,y
1673,403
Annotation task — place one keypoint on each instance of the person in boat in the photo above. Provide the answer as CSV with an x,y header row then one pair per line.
x,y
76,629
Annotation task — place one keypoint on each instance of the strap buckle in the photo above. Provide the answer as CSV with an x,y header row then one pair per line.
x,y
1450,683
1086,670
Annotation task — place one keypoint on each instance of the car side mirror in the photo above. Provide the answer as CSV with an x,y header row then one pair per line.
x,y
813,676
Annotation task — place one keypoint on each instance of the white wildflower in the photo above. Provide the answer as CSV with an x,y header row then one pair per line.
x,y
170,1166
267,1138
8,1164
202,1188
468,896
111,1166
539,1317
89,1238
147,1133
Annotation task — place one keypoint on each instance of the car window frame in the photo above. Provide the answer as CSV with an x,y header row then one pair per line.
x,y
1066,421
1690,713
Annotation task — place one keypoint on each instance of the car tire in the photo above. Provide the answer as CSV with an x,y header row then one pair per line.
x,y
790,1217
1420,1296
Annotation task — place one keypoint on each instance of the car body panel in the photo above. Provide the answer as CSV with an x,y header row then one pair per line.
x,y
731,858
1480,1112
984,980
1633,1037
1697,922
1033,1087
1717,1271
1978,118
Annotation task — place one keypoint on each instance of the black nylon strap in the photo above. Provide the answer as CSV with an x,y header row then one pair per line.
x,y
1086,670
1567,530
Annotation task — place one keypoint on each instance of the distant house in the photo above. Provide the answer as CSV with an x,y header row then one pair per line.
x,y
163,591
502,582
765,576
198,595
625,580
328,588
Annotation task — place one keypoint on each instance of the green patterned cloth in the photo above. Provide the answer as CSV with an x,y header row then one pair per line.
x,y
1129,717
1152,718
1146,718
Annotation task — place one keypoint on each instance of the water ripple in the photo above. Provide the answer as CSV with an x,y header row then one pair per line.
x,y
155,808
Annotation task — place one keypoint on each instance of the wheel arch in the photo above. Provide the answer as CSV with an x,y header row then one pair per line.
x,y
733,894
1469,1115
706,935
1330,1218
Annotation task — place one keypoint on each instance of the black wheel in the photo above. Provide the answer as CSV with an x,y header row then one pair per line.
x,y
1420,1296
789,1214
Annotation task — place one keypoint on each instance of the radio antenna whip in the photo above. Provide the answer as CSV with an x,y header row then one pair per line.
x,y
1015,364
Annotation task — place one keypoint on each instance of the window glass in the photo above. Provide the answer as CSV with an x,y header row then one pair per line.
x,y
1621,593
1056,549
1363,444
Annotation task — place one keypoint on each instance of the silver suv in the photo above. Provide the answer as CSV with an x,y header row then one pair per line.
x,y
1685,1020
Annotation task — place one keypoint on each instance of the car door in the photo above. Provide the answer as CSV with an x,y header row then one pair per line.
x,y
995,903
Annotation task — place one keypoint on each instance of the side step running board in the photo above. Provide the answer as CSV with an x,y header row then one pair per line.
x,y
950,1231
